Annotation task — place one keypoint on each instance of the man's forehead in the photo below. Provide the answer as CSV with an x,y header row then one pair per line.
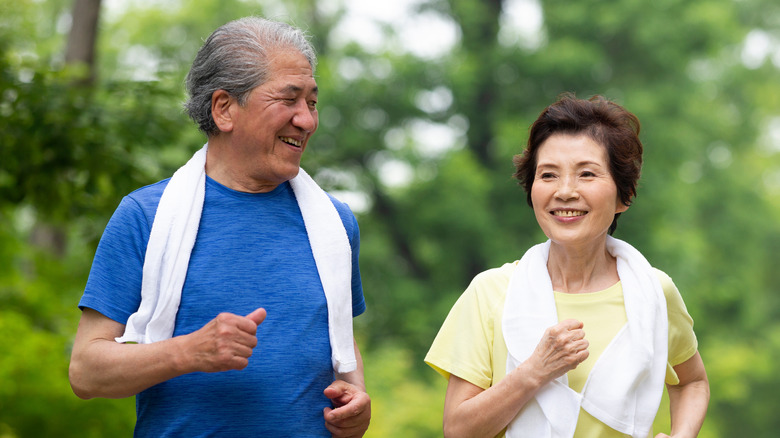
x,y
289,62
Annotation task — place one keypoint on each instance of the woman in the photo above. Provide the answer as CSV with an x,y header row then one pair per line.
x,y
577,337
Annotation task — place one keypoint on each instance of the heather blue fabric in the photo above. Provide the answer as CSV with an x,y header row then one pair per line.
x,y
251,251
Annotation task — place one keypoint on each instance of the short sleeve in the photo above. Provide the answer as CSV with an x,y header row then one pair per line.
x,y
464,344
114,283
682,339
353,234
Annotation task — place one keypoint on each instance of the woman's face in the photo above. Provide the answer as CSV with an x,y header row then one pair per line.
x,y
574,196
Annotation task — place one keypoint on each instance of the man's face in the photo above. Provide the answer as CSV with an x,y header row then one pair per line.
x,y
271,130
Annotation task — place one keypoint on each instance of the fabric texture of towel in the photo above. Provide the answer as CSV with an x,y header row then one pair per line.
x,y
625,386
172,238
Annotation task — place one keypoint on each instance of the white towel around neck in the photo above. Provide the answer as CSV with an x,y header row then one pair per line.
x,y
173,236
624,387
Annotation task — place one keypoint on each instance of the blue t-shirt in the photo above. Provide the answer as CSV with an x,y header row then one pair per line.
x,y
252,251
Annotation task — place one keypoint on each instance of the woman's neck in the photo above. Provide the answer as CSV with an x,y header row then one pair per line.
x,y
581,270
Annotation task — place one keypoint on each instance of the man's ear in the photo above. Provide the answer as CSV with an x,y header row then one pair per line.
x,y
221,103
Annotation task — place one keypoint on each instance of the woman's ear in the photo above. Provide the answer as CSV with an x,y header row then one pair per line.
x,y
221,103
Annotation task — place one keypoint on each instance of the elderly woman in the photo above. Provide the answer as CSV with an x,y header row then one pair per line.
x,y
577,338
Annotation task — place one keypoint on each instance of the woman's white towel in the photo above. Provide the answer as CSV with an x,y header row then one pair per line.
x,y
624,387
173,236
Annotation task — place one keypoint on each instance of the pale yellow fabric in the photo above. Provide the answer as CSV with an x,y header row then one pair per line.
x,y
470,343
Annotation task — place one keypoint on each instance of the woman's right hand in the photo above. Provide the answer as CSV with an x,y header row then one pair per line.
x,y
473,411
562,348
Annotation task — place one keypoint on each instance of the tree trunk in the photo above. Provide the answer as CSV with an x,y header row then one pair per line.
x,y
83,37
79,51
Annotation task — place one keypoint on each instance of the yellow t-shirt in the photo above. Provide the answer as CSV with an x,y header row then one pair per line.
x,y
470,343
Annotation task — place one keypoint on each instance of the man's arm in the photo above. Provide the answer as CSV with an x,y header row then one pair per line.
x,y
101,367
352,412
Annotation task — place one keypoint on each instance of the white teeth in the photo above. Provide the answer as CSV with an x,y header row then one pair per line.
x,y
291,141
568,213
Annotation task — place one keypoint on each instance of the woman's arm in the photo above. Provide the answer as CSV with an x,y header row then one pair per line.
x,y
689,399
470,411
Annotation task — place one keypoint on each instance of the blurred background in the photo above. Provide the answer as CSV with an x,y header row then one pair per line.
x,y
422,106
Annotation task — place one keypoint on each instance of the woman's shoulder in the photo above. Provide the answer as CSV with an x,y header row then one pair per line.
x,y
489,287
663,277
495,277
667,284
674,300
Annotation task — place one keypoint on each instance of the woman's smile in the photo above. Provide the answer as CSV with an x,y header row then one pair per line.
x,y
568,213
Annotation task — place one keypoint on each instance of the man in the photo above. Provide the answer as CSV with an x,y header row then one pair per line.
x,y
232,256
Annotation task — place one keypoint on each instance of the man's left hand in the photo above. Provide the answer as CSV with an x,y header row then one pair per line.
x,y
352,410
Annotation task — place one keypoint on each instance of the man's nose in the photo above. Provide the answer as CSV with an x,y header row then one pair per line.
x,y
305,117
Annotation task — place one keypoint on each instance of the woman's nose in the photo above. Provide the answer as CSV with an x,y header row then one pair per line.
x,y
567,189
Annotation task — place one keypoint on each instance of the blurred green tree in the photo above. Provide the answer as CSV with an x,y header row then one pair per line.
x,y
421,146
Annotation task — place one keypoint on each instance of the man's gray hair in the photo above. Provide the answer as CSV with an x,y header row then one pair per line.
x,y
235,58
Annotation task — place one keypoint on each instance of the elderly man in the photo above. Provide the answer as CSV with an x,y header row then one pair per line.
x,y
238,254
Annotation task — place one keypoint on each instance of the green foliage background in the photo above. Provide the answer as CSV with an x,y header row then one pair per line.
x,y
707,211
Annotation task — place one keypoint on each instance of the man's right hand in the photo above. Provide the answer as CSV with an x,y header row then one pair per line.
x,y
225,343
101,367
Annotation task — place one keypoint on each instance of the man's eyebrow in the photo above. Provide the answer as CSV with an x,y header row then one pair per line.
x,y
294,89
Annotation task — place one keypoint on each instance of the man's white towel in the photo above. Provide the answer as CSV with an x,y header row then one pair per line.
x,y
624,387
173,235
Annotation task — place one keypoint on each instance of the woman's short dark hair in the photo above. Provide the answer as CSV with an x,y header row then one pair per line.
x,y
606,123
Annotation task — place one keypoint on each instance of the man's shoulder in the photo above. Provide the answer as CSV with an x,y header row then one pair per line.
x,y
339,204
148,197
154,190
345,212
